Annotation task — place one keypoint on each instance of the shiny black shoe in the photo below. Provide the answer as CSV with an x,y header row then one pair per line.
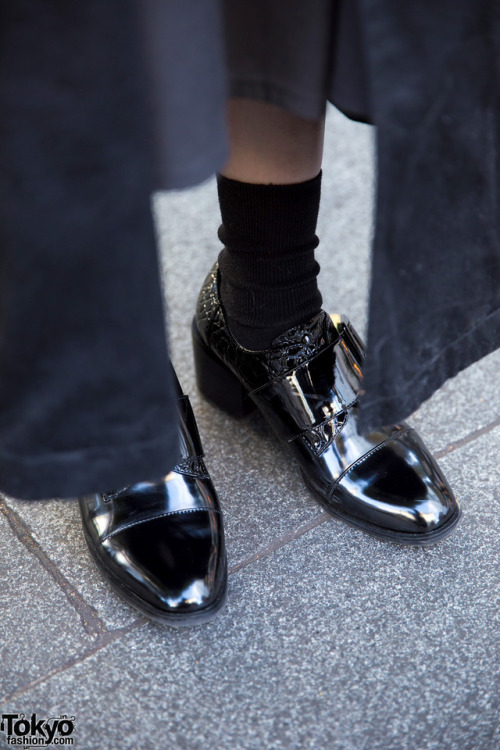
x,y
306,386
161,544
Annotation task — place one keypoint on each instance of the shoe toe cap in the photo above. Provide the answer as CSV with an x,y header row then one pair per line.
x,y
174,564
398,486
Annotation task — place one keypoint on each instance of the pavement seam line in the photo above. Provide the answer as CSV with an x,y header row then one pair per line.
x,y
291,536
451,447
281,541
104,640
301,530
91,622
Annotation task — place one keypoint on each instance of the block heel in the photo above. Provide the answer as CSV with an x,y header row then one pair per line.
x,y
217,383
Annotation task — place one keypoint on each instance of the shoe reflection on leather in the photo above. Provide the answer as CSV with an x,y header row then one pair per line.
x,y
161,544
306,385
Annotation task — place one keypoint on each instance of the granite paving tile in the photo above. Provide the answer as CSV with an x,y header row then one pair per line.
x,y
56,526
466,403
334,641
39,629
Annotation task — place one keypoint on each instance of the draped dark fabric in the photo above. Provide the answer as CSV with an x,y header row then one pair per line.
x,y
86,401
101,102
434,79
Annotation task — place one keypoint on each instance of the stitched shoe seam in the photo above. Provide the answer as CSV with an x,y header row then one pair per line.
x,y
365,456
318,450
198,472
326,421
190,474
154,518
283,375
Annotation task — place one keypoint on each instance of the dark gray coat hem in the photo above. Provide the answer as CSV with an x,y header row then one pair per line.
x,y
93,469
459,354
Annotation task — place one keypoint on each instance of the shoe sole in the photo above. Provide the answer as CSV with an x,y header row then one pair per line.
x,y
223,389
172,619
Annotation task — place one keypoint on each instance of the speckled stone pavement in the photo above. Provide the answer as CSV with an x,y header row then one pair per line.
x,y
330,640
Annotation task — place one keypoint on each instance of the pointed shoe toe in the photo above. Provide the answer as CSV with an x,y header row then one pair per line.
x,y
306,385
161,544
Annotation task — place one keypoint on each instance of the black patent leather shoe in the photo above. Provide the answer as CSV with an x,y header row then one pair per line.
x,y
306,386
161,544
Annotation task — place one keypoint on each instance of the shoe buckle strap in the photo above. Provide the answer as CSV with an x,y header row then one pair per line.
x,y
317,392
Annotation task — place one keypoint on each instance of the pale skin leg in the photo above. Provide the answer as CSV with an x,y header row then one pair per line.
x,y
269,145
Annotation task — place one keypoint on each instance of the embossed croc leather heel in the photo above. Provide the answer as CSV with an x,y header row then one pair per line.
x,y
306,385
161,543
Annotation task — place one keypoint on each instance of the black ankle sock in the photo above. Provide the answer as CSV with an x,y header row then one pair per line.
x,y
267,267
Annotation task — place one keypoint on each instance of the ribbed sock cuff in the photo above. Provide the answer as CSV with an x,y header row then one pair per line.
x,y
268,270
